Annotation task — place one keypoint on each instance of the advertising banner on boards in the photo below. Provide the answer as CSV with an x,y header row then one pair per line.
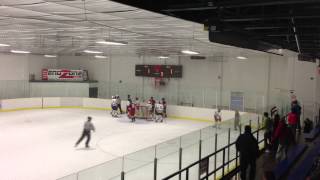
x,y
64,75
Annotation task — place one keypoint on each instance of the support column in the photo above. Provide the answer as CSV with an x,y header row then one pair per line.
x,y
109,78
221,83
143,78
267,105
179,83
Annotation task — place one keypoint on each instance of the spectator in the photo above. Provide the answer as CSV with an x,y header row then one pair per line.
x,y
283,135
292,121
275,144
236,120
308,125
268,125
296,109
273,111
247,145
315,170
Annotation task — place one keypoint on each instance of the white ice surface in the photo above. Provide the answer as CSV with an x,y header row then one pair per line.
x,y
39,144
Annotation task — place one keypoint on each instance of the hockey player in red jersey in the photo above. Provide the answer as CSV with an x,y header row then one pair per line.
x,y
131,112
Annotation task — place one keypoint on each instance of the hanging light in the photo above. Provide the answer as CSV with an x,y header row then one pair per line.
x,y
112,43
189,52
100,57
4,45
242,57
50,56
92,52
20,52
163,57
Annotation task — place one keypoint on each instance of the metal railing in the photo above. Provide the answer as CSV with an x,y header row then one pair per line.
x,y
157,162
226,161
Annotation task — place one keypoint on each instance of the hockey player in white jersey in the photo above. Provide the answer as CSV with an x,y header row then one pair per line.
x,y
159,112
114,107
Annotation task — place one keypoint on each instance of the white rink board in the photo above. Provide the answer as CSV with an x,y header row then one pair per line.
x,y
43,148
71,101
54,131
10,104
96,103
51,102
198,113
172,110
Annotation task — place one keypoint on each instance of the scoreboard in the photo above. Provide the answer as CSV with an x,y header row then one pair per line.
x,y
161,71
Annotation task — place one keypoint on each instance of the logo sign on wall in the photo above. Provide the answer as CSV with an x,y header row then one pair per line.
x,y
64,75
237,101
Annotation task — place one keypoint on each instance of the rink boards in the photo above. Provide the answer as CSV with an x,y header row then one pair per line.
x,y
54,129
173,111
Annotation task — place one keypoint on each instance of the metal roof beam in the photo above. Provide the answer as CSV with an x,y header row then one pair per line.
x,y
234,4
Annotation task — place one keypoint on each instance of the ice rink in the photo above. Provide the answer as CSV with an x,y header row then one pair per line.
x,y
39,144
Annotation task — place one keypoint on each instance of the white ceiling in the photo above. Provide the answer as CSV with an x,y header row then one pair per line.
x,y
70,26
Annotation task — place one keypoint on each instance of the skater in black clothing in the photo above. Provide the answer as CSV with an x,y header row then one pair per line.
x,y
248,147
88,127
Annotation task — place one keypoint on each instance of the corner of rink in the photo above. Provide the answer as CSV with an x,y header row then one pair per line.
x,y
46,133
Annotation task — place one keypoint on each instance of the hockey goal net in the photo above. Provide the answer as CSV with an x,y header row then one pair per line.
x,y
144,111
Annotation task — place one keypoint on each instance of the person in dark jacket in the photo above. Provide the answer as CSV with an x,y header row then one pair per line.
x,y
236,120
268,125
275,143
292,122
308,125
296,109
285,138
248,147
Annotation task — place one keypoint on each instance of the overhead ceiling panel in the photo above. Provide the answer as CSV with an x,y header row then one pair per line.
x,y
69,27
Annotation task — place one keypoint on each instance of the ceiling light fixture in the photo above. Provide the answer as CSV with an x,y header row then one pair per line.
x,y
242,57
20,52
163,57
92,52
50,56
190,52
114,43
100,57
4,45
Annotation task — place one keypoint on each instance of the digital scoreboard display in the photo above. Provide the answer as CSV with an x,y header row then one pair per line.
x,y
161,71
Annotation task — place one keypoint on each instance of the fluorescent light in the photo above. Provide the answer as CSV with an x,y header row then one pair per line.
x,y
100,57
4,45
115,43
50,56
241,57
20,52
190,52
92,52
163,57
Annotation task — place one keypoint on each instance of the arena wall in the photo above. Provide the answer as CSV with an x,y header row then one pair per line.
x,y
175,112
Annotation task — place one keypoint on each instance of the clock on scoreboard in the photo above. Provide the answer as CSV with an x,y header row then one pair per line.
x,y
161,71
